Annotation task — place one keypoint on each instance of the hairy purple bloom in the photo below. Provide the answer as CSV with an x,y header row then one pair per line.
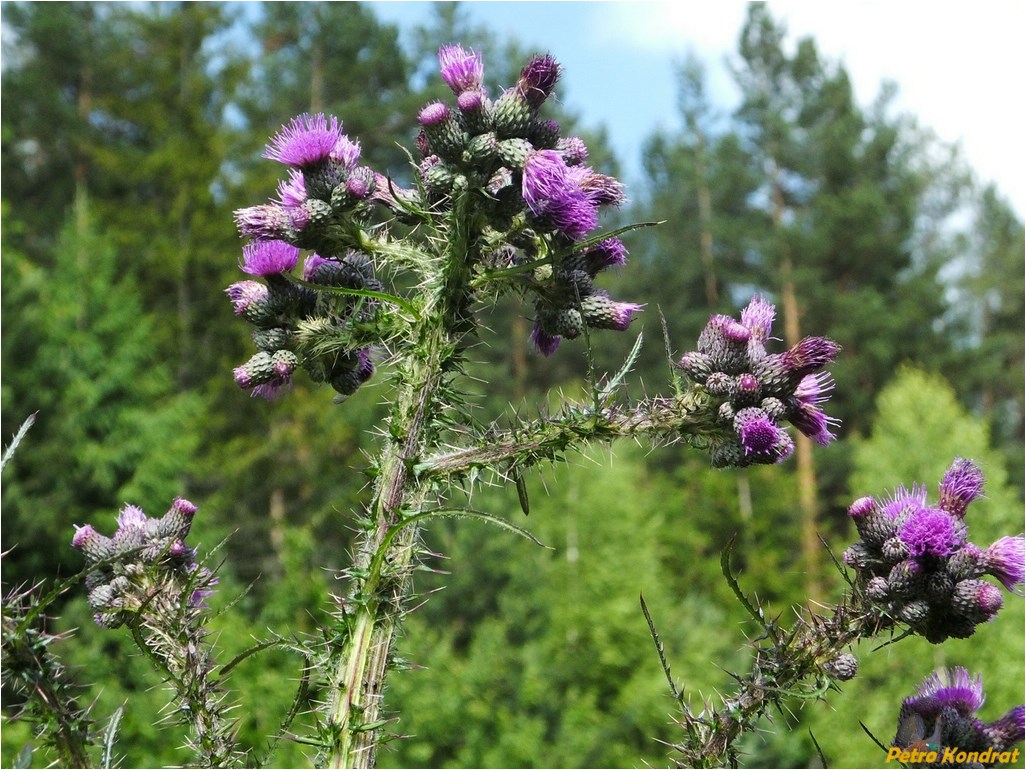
x,y
904,501
311,263
932,532
601,190
346,153
546,343
806,415
471,101
553,195
810,354
1006,560
760,437
244,294
461,70
292,193
268,257
944,596
538,79
306,141
608,253
132,517
962,484
953,688
758,317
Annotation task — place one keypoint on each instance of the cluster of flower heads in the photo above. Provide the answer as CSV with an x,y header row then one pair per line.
x,y
752,391
530,193
278,309
533,188
144,557
326,196
914,558
941,719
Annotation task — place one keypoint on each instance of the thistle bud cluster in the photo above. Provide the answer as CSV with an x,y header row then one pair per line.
x,y
530,185
143,559
328,196
941,719
750,391
281,309
915,560
325,205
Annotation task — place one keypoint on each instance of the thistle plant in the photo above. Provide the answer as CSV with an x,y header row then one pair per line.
x,y
938,725
147,578
915,573
352,275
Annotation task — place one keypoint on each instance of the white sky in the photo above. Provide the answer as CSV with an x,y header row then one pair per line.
x,y
959,66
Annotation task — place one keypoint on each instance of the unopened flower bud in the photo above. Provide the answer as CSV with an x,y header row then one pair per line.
x,y
544,135
976,600
843,667
445,137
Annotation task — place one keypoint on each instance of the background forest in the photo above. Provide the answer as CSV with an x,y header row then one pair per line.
x,y
130,132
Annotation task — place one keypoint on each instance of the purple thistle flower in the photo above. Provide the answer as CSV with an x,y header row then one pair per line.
x,y
862,507
245,293
962,484
538,78
545,342
131,517
311,263
601,190
471,101
806,415
1006,560
461,70
82,536
954,688
552,193
206,581
810,354
930,531
292,193
622,314
608,253
306,141
268,257
365,365
269,391
361,184
977,600
903,500
758,317
346,153
757,433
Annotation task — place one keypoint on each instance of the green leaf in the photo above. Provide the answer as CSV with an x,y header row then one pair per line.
x,y
110,736
470,513
9,452
628,364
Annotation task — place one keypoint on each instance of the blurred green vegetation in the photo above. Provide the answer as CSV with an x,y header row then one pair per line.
x,y
132,131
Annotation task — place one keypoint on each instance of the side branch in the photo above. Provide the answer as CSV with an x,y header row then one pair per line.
x,y
574,427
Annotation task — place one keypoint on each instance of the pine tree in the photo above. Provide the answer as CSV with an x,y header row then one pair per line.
x,y
112,427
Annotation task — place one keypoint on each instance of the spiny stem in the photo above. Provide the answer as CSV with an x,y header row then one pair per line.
x,y
378,600
575,427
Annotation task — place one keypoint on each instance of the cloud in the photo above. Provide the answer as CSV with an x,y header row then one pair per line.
x,y
957,66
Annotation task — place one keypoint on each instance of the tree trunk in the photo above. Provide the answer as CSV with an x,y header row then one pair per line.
x,y
807,486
